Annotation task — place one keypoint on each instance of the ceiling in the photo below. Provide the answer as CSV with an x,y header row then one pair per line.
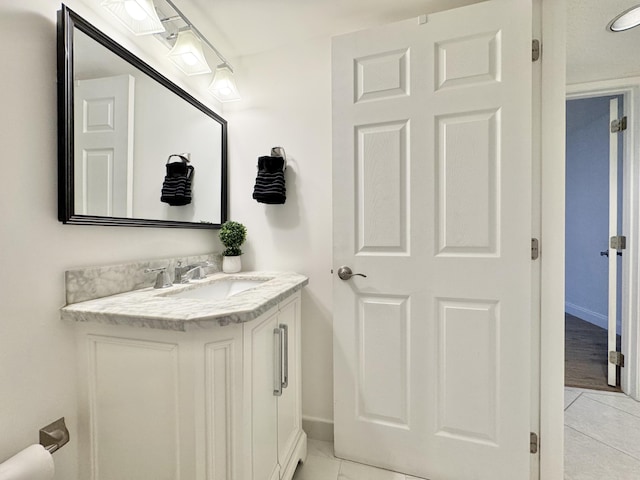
x,y
246,27
594,53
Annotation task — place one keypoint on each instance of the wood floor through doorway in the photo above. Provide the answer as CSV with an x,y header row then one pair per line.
x,y
585,355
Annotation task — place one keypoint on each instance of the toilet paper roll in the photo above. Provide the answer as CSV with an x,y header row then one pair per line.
x,y
32,463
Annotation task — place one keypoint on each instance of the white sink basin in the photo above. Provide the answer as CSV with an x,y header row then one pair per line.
x,y
218,290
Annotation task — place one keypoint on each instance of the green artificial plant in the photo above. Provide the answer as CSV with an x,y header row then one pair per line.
x,y
232,235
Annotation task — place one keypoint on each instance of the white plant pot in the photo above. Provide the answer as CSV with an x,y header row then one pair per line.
x,y
231,264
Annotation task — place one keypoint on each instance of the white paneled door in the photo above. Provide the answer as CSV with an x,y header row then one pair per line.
x,y
103,146
432,202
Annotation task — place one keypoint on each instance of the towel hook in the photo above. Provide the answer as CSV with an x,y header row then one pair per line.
x,y
185,157
279,152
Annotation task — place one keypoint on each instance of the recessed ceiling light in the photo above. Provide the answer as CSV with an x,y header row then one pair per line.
x,y
626,20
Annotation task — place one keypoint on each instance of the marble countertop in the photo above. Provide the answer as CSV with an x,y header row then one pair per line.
x,y
158,308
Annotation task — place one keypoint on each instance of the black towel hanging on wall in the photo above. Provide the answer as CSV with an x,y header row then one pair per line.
x,y
270,186
176,188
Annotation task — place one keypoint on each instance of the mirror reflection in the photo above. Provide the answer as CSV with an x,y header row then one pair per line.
x,y
128,123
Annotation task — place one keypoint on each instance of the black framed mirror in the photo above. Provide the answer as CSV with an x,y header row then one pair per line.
x,y
119,122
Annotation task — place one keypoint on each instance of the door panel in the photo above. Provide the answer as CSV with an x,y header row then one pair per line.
x,y
432,201
381,188
468,162
468,60
383,360
468,363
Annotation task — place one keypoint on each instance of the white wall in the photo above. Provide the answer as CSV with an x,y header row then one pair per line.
x,y
37,352
286,101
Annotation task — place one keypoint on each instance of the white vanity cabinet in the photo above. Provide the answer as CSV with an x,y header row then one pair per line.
x,y
194,405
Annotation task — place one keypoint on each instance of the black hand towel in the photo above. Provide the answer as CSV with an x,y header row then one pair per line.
x,y
269,186
176,188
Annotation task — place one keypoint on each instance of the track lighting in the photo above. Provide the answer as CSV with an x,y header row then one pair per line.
x,y
185,41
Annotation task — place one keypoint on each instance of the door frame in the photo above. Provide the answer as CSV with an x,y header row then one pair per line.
x,y
629,89
551,143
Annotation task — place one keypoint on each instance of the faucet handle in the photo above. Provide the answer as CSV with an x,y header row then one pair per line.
x,y
162,279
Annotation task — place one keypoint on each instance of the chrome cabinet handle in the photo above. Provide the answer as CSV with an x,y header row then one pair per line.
x,y
345,273
277,362
605,253
285,379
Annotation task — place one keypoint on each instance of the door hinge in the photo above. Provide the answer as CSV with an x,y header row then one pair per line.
x,y
619,125
618,242
533,442
617,358
535,248
535,50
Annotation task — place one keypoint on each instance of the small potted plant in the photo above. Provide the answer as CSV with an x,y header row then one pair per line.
x,y
232,235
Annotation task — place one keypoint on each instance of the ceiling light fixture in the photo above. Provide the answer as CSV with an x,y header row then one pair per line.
x,y
182,38
139,16
626,20
187,54
223,86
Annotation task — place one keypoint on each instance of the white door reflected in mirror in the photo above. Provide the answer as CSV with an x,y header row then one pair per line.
x,y
103,136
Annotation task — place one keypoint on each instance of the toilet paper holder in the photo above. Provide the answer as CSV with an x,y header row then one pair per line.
x,y
54,436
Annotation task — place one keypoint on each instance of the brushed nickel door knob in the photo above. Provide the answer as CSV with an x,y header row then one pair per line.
x,y
345,273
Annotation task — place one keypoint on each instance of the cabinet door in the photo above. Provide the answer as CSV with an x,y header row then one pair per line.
x,y
131,412
260,340
289,408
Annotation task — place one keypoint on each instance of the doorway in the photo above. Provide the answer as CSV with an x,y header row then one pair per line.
x,y
594,214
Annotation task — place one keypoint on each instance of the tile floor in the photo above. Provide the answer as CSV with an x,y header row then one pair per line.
x,y
602,441
602,435
322,465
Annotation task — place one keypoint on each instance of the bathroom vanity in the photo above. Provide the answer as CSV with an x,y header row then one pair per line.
x,y
190,382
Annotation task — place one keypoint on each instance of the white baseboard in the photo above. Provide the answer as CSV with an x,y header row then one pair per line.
x,y
587,315
318,428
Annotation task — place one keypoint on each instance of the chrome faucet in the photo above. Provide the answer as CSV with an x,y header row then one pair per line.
x,y
193,273
162,279
190,272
